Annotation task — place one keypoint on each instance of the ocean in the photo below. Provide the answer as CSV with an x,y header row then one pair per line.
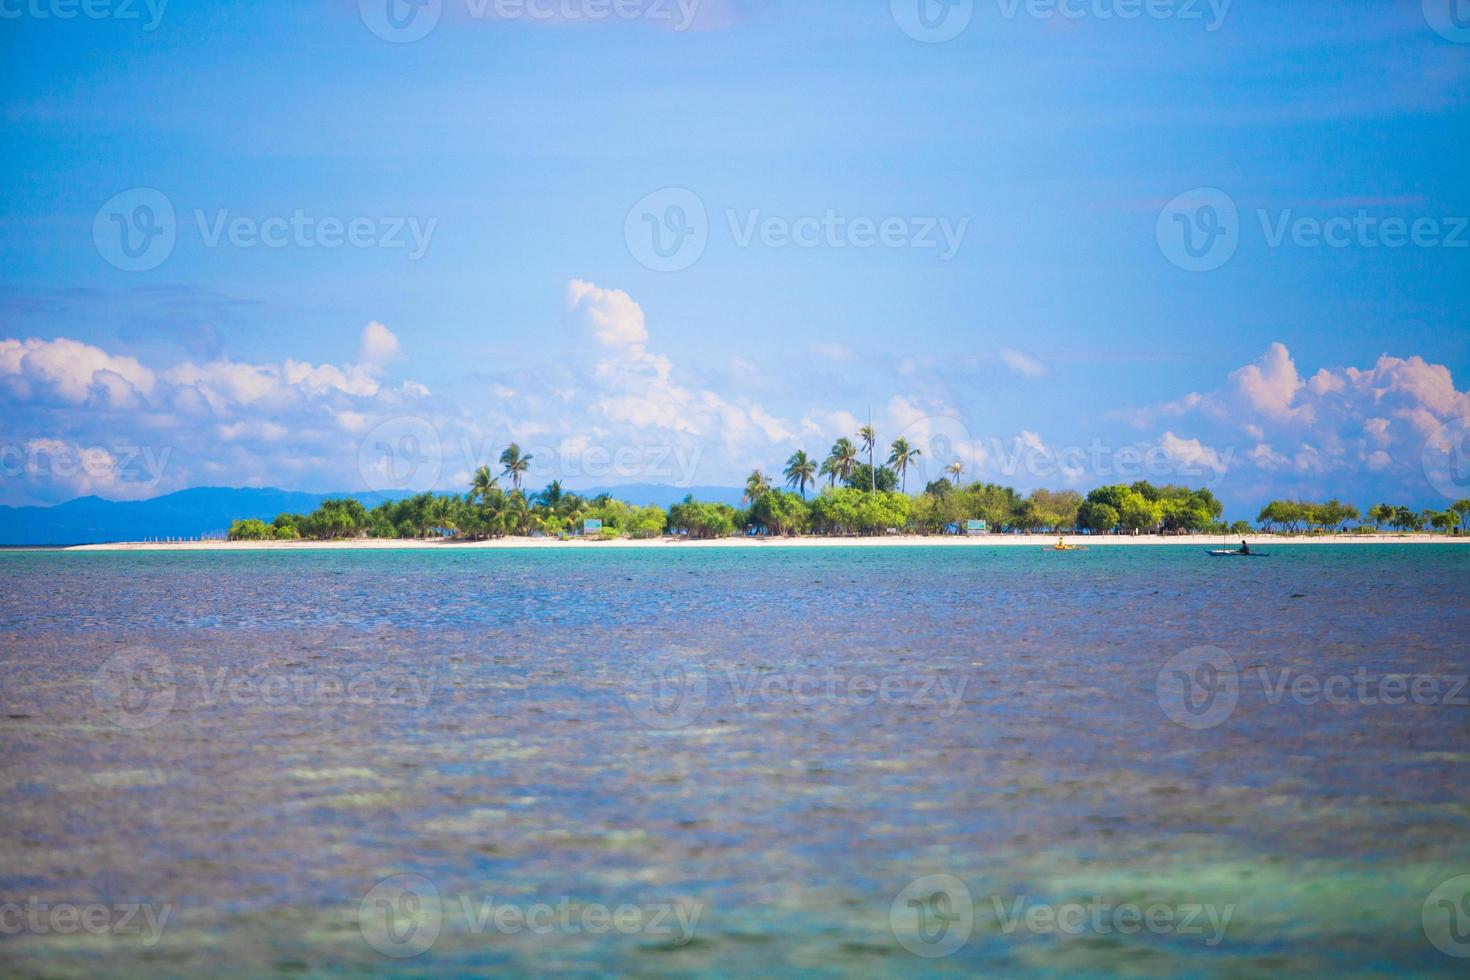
x,y
843,761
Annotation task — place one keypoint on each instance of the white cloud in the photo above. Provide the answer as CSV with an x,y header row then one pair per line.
x,y
73,371
1022,364
615,319
378,345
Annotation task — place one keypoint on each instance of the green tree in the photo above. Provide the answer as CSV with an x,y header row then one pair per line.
x,y
515,464
800,472
901,457
250,529
869,438
756,486
864,477
840,461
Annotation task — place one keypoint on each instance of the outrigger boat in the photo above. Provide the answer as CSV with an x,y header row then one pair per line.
x,y
1063,546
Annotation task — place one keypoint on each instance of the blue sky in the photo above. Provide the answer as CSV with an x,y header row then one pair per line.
x,y
502,171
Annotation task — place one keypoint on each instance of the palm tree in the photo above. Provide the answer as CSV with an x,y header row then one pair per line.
x,y
829,470
901,458
954,470
483,485
552,495
869,436
756,486
515,464
801,471
842,459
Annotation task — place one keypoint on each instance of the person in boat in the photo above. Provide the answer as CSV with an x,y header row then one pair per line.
x,y
1245,549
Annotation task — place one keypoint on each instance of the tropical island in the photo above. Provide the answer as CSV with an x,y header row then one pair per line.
x,y
860,499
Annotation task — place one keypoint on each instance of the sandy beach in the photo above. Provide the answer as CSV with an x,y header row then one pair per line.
x,y
1265,542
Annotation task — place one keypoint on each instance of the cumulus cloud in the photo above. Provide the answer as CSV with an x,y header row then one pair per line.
x,y
1347,431
73,372
378,345
84,420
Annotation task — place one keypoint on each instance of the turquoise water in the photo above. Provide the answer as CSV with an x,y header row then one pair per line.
x,y
771,744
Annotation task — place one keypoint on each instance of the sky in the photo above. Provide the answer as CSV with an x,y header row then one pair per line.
x,y
363,244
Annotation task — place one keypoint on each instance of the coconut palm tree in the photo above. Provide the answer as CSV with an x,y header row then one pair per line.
x,y
552,495
757,485
954,470
516,465
800,472
901,457
842,459
484,485
869,436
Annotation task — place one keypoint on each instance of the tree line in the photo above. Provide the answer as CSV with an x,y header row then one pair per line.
x,y
1299,516
860,498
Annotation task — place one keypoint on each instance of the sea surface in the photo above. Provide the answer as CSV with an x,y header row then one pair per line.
x,y
868,762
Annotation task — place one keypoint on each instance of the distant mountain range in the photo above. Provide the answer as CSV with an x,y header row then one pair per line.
x,y
209,510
